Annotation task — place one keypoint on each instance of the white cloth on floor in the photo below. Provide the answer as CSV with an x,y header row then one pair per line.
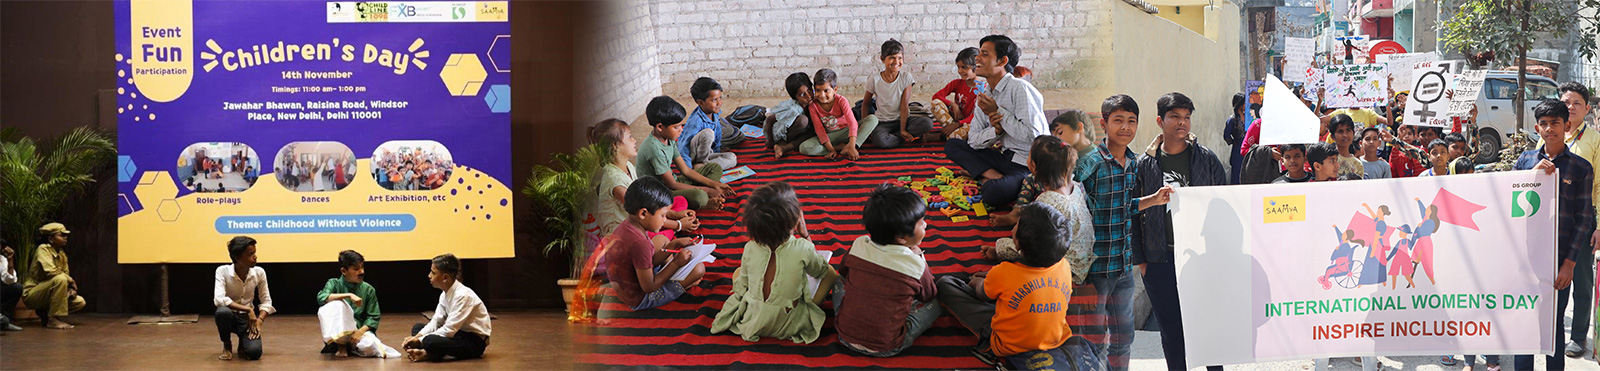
x,y
336,319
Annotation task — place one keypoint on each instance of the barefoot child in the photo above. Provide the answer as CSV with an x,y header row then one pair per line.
x,y
460,325
770,297
888,296
706,138
1029,317
837,132
890,91
953,116
1068,127
787,124
615,138
237,287
349,314
659,155
639,271
1053,162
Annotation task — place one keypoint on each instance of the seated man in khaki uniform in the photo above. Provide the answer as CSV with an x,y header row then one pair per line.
x,y
50,289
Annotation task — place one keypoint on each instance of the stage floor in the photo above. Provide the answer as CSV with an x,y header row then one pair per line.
x,y
539,340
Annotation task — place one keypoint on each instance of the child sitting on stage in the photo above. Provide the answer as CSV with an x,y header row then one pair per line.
x,y
349,314
237,287
460,325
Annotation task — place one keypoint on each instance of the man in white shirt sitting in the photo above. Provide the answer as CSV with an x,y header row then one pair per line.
x,y
996,149
10,289
460,325
238,285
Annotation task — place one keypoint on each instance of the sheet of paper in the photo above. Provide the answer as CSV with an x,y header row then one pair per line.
x,y
1284,119
813,282
700,253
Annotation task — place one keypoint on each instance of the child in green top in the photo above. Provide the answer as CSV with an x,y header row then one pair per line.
x,y
770,296
349,314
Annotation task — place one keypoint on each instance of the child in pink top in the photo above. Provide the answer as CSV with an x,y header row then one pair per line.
x,y
832,118
954,116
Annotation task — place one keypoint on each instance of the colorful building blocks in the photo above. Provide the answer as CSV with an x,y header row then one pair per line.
x,y
906,179
971,189
936,198
944,170
939,205
949,211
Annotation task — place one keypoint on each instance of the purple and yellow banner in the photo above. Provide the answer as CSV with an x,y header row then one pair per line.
x,y
313,127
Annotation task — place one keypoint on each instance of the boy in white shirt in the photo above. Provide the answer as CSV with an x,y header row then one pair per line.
x,y
237,287
10,289
460,326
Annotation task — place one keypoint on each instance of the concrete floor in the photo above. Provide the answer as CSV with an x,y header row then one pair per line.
x,y
539,340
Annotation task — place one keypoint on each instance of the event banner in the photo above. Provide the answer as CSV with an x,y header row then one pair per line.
x,y
313,127
1462,264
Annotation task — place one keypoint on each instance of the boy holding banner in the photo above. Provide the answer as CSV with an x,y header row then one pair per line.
x,y
1178,162
1580,142
1108,174
1576,220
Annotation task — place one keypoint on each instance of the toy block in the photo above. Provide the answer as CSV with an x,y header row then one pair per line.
x,y
975,199
971,190
906,178
919,185
944,170
936,198
949,211
959,219
939,205
936,182
980,209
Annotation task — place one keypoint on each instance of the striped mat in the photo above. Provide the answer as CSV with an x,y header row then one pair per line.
x,y
832,194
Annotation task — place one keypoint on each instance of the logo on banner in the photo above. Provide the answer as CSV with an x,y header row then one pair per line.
x,y
1524,203
1283,209
372,12
458,11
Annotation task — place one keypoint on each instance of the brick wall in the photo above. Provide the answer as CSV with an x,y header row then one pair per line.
x,y
751,45
624,51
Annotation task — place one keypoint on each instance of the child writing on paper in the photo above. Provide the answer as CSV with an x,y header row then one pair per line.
x,y
639,272
349,314
769,289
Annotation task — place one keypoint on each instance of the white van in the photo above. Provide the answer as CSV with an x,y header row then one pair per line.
x,y
1497,115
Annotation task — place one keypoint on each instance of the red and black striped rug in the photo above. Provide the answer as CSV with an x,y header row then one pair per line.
x,y
832,194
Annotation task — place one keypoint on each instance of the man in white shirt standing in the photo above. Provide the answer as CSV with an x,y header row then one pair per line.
x,y
237,288
460,324
10,289
996,150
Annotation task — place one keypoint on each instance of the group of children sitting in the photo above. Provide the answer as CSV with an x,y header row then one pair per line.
x,y
1017,309
349,315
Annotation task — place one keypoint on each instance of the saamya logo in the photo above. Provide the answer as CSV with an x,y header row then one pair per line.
x,y
263,54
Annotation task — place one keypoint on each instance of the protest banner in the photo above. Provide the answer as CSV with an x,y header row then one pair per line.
x,y
1354,85
1416,266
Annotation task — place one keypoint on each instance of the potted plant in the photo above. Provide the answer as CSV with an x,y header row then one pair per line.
x,y
562,197
37,178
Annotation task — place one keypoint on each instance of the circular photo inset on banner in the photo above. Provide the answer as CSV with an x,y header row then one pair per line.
x,y
218,167
412,165
315,166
